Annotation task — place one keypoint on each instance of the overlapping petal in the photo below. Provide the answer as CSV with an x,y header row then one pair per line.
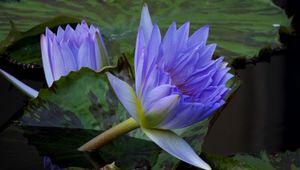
x,y
70,49
186,64
176,146
126,95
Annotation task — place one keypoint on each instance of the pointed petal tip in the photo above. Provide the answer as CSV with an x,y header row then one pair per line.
x,y
145,9
146,23
83,22
214,46
206,27
187,23
46,60
42,37
125,94
173,24
59,28
176,146
20,85
48,31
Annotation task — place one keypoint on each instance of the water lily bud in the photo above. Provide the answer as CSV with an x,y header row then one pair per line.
x,y
72,49
68,50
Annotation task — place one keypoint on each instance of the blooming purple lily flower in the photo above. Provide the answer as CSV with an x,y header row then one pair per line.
x,y
68,50
177,84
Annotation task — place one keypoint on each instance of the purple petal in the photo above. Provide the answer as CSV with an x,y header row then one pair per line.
x,y
185,114
153,47
206,55
68,58
168,45
21,86
139,60
175,146
49,33
60,34
182,35
46,61
126,95
58,67
101,58
156,94
86,55
69,34
159,110
199,36
146,23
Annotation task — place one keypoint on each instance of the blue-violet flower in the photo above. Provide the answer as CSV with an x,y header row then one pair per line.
x,y
70,50
177,84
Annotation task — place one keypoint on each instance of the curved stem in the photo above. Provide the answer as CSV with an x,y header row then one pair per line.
x,y
109,135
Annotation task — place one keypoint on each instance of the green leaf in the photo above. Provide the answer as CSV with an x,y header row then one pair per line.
x,y
60,144
82,99
240,28
286,160
264,161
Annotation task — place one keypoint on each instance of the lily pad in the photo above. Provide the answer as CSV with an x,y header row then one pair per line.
x,y
60,145
263,161
82,99
240,28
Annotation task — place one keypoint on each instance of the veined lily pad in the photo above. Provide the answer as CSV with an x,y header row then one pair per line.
x,y
263,161
240,28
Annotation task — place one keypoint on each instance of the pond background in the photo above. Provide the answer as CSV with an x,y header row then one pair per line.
x,y
264,114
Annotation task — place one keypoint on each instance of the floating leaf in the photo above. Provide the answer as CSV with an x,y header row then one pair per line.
x,y
286,160
60,144
82,99
264,161
240,28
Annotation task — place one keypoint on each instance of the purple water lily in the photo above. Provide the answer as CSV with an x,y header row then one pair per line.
x,y
177,84
68,50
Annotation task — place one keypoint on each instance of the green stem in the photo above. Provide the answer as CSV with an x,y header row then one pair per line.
x,y
109,135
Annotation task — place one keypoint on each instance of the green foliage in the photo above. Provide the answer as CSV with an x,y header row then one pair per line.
x,y
264,161
60,144
82,99
240,28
